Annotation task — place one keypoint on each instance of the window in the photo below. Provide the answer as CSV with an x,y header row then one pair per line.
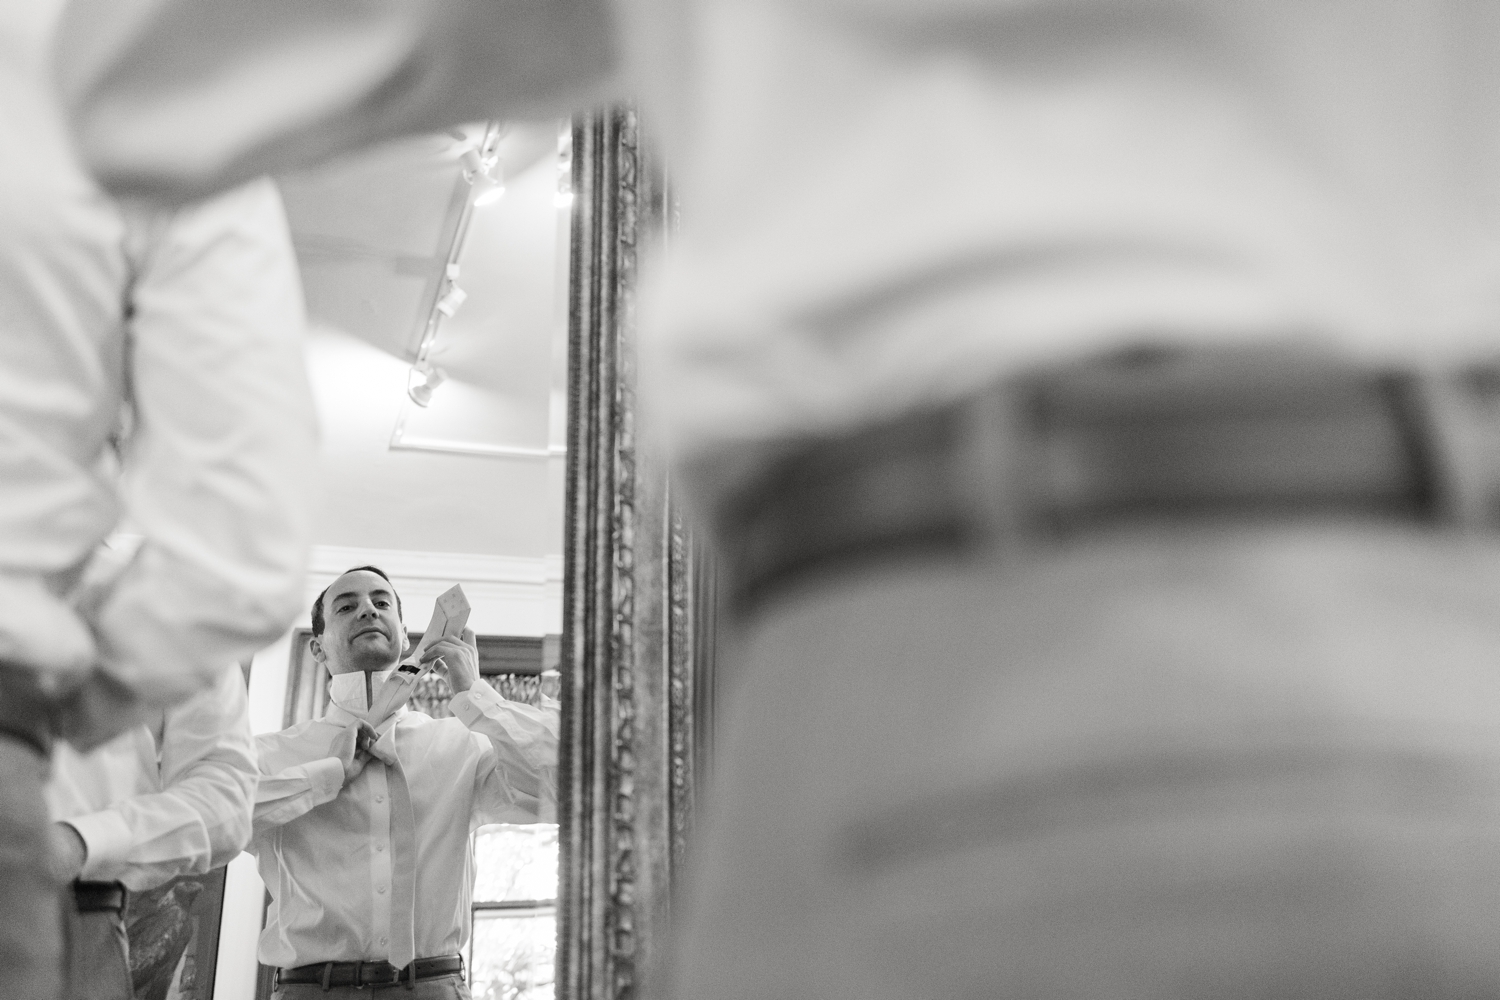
x,y
515,912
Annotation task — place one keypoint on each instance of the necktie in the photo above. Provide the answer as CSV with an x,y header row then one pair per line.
x,y
403,853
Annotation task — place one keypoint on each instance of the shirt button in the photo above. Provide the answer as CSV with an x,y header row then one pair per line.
x,y
383,941
379,848
380,889
380,798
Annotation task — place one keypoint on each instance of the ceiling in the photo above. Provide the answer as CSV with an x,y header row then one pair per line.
x,y
480,469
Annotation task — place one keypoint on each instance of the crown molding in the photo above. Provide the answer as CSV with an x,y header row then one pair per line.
x,y
453,567
510,595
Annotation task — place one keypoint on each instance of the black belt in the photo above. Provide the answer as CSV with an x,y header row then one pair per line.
x,y
1146,435
25,714
363,974
99,897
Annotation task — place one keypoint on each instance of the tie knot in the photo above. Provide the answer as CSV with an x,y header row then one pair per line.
x,y
384,748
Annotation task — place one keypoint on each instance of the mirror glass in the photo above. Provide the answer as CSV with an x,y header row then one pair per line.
x,y
435,271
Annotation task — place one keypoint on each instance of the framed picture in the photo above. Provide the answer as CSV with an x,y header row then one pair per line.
x,y
174,937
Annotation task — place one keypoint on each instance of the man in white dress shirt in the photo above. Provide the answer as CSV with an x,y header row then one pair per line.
x,y
168,798
1105,373
363,834
150,370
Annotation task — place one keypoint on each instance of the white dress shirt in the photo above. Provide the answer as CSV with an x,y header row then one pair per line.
x,y
890,202
173,797
328,854
187,327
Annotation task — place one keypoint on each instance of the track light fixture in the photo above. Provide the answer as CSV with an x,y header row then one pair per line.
x,y
423,381
483,175
564,196
451,299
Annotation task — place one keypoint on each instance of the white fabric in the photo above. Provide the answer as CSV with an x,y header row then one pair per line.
x,y
170,798
348,689
215,471
888,202
325,851
306,80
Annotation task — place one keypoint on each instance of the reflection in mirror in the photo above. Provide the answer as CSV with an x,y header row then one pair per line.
x,y
435,271
514,903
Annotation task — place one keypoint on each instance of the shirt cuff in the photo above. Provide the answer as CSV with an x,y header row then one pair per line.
x,y
470,705
326,776
106,837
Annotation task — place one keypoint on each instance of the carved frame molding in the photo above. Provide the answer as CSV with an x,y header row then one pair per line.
x,y
637,620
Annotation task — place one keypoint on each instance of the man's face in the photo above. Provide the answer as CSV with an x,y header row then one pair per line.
x,y
361,627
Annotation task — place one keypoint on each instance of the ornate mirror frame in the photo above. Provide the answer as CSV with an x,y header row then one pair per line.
x,y
638,621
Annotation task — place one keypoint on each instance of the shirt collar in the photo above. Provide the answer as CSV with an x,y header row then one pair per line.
x,y
341,716
347,690
346,710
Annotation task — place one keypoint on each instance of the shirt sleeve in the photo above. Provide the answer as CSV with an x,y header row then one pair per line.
x,y
294,790
201,817
516,781
216,469
173,100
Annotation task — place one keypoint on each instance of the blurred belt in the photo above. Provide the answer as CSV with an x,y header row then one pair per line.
x,y
25,715
1143,436
368,974
99,897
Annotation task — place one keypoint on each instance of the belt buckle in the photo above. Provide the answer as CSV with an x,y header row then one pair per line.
x,y
365,974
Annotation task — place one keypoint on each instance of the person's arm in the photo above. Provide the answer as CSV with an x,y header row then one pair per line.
x,y
172,99
218,467
516,781
201,817
302,785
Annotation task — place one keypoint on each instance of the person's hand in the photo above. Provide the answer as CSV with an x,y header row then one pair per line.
x,y
352,747
69,852
460,660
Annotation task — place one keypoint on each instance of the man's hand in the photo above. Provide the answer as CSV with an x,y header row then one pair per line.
x,y
69,852
460,660
352,747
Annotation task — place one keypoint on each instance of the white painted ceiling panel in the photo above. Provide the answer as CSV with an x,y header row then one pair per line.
x,y
373,234
497,349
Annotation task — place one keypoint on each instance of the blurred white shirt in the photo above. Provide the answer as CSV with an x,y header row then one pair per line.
x,y
889,202
329,854
173,797
191,323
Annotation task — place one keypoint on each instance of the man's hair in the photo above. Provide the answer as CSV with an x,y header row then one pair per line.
x,y
317,608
